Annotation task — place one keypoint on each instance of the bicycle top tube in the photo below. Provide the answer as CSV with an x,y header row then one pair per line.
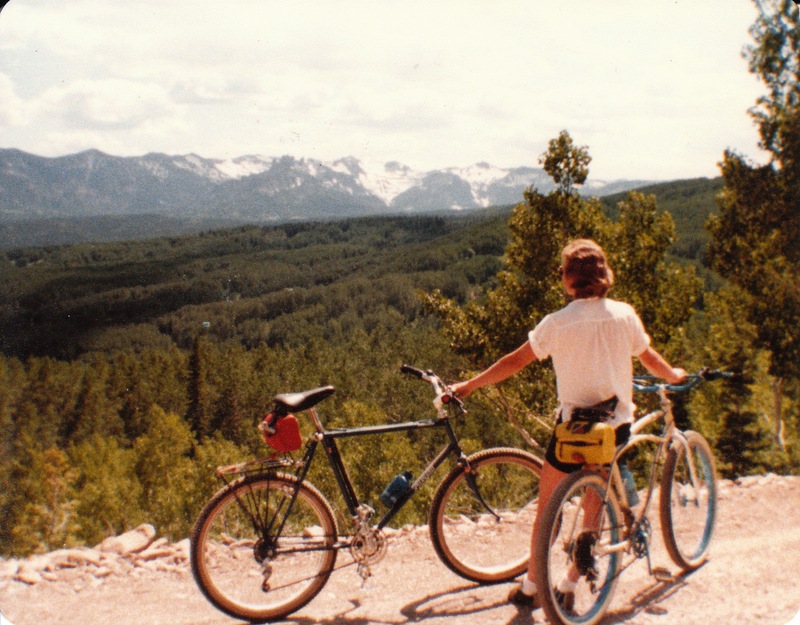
x,y
642,382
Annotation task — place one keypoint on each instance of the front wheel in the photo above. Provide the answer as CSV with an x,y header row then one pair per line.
x,y
581,538
263,547
688,505
482,515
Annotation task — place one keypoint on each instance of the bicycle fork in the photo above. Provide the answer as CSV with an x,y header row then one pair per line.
x,y
473,486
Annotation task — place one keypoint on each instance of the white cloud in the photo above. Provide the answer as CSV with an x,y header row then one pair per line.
x,y
655,89
12,109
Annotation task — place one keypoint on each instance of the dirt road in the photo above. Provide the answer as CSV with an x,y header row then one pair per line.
x,y
751,578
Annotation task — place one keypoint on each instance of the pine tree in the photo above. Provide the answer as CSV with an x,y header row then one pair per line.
x,y
197,415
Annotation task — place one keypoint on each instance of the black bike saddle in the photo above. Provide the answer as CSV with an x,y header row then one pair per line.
x,y
297,402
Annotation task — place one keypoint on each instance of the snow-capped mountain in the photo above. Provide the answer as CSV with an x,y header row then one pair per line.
x,y
252,188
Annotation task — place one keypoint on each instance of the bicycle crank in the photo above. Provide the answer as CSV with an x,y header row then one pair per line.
x,y
368,545
368,548
662,574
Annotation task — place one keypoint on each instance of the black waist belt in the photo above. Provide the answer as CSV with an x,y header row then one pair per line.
x,y
597,413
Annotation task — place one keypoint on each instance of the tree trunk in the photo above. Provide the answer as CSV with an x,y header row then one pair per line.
x,y
777,394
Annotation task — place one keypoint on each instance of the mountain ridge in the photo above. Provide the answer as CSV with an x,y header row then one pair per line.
x,y
253,187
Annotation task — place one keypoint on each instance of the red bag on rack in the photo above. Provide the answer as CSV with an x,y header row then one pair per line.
x,y
287,432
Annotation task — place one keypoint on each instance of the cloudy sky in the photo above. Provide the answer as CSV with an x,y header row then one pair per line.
x,y
656,89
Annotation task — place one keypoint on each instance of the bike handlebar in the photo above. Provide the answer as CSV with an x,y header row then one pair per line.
x,y
443,392
690,381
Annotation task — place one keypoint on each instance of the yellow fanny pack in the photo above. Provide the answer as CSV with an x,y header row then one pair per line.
x,y
585,442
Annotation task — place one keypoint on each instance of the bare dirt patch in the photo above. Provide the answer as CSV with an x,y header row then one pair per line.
x,y
751,577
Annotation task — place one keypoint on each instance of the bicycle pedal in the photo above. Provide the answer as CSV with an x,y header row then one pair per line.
x,y
662,574
364,572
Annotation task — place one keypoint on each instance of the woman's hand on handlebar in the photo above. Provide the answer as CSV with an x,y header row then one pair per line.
x,y
679,375
462,390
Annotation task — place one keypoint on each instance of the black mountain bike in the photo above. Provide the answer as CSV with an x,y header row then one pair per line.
x,y
266,543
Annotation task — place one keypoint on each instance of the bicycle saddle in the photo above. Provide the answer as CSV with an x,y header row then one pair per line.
x,y
297,402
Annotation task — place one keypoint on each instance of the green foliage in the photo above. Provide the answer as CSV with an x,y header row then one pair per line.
x,y
45,515
689,202
252,284
750,248
565,163
662,293
106,336
163,468
731,413
755,238
105,487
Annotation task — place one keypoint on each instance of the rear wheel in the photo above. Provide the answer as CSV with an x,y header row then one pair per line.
x,y
487,542
576,532
259,556
688,507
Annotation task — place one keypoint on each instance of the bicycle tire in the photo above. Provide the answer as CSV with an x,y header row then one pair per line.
x,y
469,540
688,511
230,554
563,542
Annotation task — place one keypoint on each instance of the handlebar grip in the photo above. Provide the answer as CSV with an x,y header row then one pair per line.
x,y
411,371
709,375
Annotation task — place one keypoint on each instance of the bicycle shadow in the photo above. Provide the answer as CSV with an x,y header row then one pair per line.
x,y
460,602
452,603
647,600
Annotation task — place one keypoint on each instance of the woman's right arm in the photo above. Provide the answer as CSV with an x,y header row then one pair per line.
x,y
503,369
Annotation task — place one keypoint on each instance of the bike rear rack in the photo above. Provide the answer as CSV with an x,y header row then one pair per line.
x,y
254,467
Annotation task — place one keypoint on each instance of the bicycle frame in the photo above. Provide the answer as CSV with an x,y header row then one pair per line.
x,y
328,439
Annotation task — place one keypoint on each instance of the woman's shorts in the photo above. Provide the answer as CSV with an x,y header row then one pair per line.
x,y
621,435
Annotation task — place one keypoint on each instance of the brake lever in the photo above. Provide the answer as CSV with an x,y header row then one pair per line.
x,y
449,397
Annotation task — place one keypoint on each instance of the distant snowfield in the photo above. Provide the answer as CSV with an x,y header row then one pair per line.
x,y
385,180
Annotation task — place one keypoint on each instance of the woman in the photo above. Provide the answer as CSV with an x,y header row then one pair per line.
x,y
591,341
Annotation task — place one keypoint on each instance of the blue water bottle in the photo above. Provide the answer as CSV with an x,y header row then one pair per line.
x,y
396,488
630,485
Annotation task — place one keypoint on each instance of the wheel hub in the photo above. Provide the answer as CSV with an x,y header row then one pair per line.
x,y
263,550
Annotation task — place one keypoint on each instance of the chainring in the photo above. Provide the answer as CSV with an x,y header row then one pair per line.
x,y
641,539
368,546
